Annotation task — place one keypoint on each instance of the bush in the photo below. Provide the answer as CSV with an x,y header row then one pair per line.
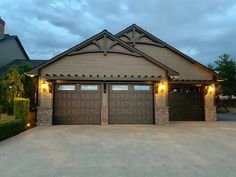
x,y
21,109
0,111
11,128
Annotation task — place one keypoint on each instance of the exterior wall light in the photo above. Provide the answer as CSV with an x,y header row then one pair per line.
x,y
160,87
28,125
44,86
210,89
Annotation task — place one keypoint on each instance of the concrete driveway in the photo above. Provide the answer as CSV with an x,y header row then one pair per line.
x,y
180,149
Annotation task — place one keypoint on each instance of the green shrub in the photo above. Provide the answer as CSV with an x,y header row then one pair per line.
x,y
21,109
11,128
0,111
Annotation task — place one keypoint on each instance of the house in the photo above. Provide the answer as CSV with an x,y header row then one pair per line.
x,y
132,77
12,51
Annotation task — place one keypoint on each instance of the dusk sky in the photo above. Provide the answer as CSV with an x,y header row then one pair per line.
x,y
201,29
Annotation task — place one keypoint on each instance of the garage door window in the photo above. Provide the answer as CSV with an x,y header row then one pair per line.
x,y
89,87
142,87
120,87
66,87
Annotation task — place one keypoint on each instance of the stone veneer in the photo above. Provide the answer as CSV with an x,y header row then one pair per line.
x,y
210,108
44,116
161,115
160,105
44,110
104,107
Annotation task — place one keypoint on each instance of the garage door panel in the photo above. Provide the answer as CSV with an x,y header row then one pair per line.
x,y
77,106
130,105
186,104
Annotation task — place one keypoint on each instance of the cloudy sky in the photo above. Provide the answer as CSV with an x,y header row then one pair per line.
x,y
202,29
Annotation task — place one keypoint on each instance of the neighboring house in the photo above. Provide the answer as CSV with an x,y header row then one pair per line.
x,y
128,78
12,51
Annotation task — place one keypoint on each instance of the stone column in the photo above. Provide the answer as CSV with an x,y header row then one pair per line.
x,y
160,103
210,108
104,106
45,103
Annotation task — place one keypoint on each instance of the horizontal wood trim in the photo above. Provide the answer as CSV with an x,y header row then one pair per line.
x,y
99,51
104,78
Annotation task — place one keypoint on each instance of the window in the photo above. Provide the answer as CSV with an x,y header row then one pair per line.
x,y
66,87
120,87
89,87
142,87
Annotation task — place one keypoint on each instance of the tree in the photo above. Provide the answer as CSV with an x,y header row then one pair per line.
x,y
17,84
226,67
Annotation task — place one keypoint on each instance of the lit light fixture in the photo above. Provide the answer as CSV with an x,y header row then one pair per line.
x,y
210,89
28,125
44,86
160,88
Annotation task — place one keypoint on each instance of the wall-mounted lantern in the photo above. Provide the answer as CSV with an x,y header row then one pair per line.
x,y
160,87
44,86
210,89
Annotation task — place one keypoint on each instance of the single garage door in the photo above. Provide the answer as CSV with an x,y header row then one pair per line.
x,y
130,104
186,104
77,104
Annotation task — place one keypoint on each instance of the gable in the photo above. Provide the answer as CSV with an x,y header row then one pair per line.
x,y
187,67
99,66
10,51
187,70
106,44
103,44
133,35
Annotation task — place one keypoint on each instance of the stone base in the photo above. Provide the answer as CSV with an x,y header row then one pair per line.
x,y
44,116
161,115
210,113
104,116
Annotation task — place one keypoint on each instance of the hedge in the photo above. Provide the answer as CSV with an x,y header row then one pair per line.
x,y
21,108
11,128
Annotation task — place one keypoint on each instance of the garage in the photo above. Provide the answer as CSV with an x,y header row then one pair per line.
x,y
117,79
186,103
131,104
77,104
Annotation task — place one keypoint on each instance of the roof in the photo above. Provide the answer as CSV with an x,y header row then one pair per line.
x,y
9,37
137,52
11,49
162,43
33,63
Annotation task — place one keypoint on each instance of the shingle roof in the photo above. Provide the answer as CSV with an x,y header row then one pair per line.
x,y
15,37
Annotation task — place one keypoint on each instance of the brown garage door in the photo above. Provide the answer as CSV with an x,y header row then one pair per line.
x,y
186,104
129,103
77,104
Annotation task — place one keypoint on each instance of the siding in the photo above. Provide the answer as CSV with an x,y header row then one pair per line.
x,y
97,63
186,69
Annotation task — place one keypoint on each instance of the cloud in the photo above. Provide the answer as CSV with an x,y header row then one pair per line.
x,y
202,29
